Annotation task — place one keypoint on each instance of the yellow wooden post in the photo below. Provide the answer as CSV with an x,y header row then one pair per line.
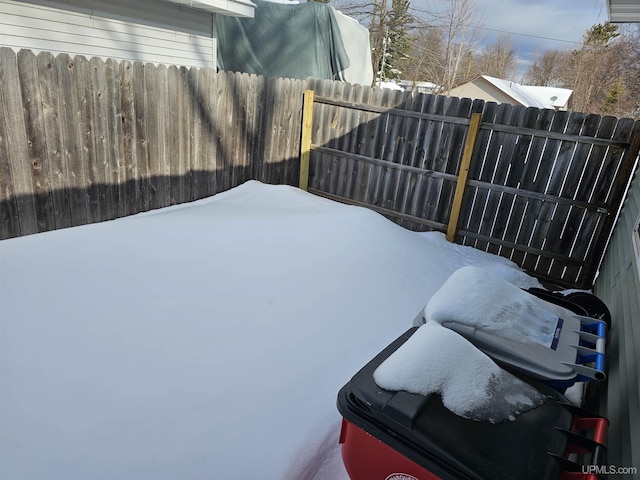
x,y
472,134
305,143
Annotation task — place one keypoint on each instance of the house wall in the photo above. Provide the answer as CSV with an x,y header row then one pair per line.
x,y
618,285
481,90
145,30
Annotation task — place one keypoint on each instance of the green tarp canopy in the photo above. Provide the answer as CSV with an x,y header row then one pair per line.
x,y
285,40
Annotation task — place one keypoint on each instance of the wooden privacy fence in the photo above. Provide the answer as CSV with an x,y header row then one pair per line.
x,y
84,141
539,187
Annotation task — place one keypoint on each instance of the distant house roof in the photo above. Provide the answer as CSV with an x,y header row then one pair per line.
x,y
505,91
532,96
420,87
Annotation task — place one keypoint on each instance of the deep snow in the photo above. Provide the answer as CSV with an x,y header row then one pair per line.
x,y
205,340
438,360
507,311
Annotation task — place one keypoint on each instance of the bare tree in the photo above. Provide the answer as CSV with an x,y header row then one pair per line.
x,y
424,62
545,71
603,73
379,29
457,27
498,59
629,54
460,38
588,72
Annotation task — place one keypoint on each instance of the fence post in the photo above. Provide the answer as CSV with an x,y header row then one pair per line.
x,y
472,134
305,143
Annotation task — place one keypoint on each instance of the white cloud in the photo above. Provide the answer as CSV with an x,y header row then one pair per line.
x,y
544,24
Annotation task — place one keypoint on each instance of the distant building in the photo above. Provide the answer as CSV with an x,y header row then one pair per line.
x,y
172,32
420,87
493,89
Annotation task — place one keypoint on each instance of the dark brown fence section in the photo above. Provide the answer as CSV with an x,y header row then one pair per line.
x,y
85,141
395,152
543,189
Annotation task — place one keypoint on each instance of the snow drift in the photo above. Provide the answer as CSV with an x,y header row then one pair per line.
x,y
493,305
205,340
436,360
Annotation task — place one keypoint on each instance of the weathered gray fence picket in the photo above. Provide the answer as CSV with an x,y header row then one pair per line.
x,y
85,141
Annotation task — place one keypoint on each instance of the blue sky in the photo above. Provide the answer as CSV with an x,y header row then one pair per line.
x,y
534,25
541,25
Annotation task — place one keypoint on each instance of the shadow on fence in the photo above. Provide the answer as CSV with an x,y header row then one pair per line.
x,y
52,210
544,187
84,141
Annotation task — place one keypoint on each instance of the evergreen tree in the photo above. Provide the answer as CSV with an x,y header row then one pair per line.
x,y
397,43
389,23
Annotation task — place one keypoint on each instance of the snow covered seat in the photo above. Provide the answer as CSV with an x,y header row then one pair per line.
x,y
543,340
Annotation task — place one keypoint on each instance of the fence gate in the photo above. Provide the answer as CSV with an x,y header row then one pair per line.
x,y
540,187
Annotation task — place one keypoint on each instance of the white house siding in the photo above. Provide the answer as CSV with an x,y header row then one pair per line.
x,y
145,30
482,90
618,285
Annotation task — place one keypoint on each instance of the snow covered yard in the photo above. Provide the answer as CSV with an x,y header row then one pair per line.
x,y
205,340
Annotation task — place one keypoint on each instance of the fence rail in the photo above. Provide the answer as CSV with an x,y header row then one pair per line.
x,y
85,141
